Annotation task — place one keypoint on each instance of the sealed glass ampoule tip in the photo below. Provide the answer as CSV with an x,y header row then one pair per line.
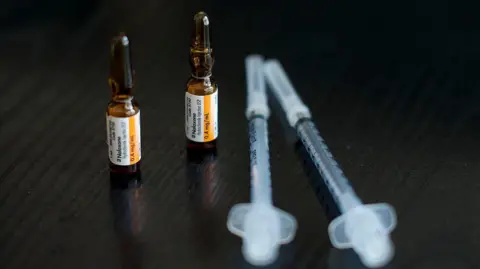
x,y
201,34
201,50
121,69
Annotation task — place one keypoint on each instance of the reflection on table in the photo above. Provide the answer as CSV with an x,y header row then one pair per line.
x,y
202,181
128,205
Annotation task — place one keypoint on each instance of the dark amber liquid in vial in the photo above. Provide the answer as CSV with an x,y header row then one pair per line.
x,y
123,106
201,87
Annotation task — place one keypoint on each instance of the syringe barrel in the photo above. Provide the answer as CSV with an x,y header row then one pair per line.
x,y
285,93
329,169
259,161
256,89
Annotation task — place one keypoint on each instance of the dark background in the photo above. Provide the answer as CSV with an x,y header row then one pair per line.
x,y
392,85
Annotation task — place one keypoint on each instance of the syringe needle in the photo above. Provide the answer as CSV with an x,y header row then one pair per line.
x,y
262,226
365,228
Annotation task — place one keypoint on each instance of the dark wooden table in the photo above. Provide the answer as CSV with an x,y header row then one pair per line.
x,y
393,88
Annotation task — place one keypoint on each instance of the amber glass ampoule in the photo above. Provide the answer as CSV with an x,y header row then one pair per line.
x,y
201,98
123,112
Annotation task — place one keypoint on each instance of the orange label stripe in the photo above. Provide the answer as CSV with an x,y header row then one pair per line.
x,y
207,119
134,147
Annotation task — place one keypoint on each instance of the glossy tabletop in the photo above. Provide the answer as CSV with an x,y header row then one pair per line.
x,y
392,86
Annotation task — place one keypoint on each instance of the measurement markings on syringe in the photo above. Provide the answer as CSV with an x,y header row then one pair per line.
x,y
253,139
327,166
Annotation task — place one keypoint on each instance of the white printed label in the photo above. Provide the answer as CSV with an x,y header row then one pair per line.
x,y
123,139
201,117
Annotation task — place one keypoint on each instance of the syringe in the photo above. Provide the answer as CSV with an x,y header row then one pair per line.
x,y
365,228
262,226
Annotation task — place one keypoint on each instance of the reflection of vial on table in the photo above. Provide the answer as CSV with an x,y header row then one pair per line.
x,y
123,112
128,205
203,176
201,98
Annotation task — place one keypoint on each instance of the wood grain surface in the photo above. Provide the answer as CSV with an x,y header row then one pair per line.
x,y
393,88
